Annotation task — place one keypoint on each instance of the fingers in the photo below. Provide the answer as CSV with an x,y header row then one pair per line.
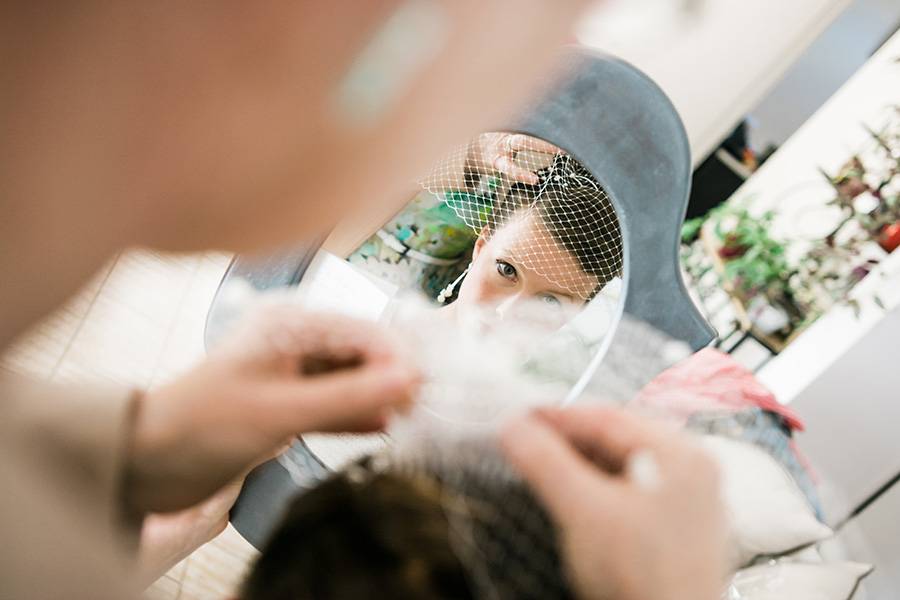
x,y
505,164
560,475
293,341
319,371
354,399
500,150
518,141
607,435
329,337
609,523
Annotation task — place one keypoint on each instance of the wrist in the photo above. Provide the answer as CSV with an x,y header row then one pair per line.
x,y
145,486
129,486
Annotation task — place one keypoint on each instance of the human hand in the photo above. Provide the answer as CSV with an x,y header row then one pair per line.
x,y
283,372
497,152
168,538
624,535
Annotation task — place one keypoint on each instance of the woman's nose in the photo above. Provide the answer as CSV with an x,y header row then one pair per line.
x,y
509,306
527,311
520,307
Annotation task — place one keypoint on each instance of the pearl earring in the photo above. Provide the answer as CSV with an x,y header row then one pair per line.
x,y
448,291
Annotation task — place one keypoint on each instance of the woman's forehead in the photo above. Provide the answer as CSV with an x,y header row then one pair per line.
x,y
527,241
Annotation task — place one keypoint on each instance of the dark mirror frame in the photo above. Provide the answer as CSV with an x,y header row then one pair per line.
x,y
617,123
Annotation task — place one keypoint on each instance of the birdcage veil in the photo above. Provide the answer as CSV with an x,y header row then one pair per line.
x,y
496,527
499,530
502,179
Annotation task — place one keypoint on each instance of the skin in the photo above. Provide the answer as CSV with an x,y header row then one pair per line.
x,y
521,273
186,126
490,153
275,357
620,539
192,125
498,151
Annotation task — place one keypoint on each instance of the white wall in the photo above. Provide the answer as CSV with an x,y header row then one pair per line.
x,y
852,414
717,64
842,374
872,539
822,69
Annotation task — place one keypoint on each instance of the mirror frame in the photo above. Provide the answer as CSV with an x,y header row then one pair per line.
x,y
619,125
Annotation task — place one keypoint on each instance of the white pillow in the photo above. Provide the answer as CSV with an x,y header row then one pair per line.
x,y
767,512
797,581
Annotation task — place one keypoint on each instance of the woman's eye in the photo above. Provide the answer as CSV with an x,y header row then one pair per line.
x,y
551,302
506,270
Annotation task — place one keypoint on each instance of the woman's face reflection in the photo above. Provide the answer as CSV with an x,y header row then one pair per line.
x,y
521,273
549,237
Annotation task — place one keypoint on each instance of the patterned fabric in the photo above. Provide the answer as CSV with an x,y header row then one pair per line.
x,y
710,381
710,392
768,431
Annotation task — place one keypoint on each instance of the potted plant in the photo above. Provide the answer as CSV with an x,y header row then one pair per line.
x,y
755,267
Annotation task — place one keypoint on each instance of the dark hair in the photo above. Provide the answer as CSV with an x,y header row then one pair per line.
x,y
384,538
575,210
388,536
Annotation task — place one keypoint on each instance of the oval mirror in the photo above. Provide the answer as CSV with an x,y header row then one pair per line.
x,y
570,219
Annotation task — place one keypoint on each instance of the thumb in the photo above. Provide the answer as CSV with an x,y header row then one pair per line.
x,y
348,399
562,477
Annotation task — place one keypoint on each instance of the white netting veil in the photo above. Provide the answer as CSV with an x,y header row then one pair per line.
x,y
497,528
439,513
539,203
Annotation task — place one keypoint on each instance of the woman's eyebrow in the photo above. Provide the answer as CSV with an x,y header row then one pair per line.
x,y
512,256
522,270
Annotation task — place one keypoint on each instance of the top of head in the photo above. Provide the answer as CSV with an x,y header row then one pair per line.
x,y
575,210
448,529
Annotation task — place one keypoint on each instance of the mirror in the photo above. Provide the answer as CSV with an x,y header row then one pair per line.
x,y
508,237
617,132
509,255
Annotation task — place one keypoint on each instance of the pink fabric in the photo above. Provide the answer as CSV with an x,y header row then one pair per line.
x,y
709,381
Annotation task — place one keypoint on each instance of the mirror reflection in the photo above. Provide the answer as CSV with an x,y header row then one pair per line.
x,y
506,232
512,253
